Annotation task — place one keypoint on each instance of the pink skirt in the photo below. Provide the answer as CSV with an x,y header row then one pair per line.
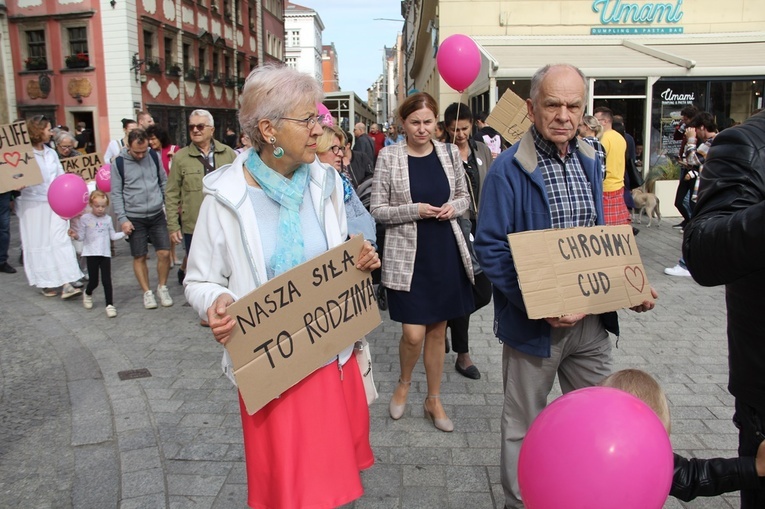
x,y
306,449
614,209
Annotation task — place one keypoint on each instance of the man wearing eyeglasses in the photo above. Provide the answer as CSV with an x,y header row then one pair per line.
x,y
184,184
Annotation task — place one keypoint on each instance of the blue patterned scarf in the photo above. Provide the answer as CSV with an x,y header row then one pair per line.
x,y
288,193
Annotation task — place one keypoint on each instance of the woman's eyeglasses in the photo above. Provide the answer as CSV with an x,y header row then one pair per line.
x,y
337,149
309,122
198,127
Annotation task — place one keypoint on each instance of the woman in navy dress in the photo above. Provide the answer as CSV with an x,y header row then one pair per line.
x,y
418,194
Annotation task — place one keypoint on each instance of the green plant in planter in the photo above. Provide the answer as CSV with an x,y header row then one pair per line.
x,y
36,63
667,169
77,61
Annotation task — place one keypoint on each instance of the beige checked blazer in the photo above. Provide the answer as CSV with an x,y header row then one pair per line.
x,y
391,204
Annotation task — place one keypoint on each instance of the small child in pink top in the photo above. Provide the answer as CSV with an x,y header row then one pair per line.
x,y
96,231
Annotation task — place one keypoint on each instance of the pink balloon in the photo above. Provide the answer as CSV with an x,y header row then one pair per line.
x,y
325,115
104,178
459,61
68,195
596,448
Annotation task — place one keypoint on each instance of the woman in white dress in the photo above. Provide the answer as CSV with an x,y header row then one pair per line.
x,y
49,258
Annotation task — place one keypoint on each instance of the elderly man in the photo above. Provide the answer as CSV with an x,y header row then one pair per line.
x,y
184,184
546,180
364,143
138,184
723,245
378,137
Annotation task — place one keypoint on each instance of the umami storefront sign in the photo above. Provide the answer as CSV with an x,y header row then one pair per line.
x,y
618,17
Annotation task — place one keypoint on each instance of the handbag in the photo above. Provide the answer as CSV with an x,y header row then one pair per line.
x,y
633,174
364,360
466,225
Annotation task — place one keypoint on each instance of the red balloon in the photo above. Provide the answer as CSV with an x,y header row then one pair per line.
x,y
596,448
459,61
68,195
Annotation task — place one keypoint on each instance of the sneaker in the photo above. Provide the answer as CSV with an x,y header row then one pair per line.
x,y
677,270
69,291
148,300
111,311
78,284
164,296
87,301
680,225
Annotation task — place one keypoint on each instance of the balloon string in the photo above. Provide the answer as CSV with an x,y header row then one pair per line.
x,y
456,120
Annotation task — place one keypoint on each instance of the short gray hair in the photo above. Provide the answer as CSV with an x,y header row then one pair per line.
x,y
203,113
64,136
541,74
271,92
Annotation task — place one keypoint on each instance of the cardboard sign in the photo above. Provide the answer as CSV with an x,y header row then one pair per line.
x,y
18,167
579,270
86,166
510,117
298,321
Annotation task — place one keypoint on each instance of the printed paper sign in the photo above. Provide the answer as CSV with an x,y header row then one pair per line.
x,y
86,166
18,167
510,117
579,270
298,321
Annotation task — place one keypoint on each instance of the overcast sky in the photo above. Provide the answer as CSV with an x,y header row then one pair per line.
x,y
358,38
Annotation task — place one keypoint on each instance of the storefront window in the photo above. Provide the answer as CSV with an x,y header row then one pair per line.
x,y
730,101
669,98
619,87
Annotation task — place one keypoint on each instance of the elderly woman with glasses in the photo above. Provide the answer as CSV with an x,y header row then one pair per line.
x,y
275,207
50,261
66,145
330,148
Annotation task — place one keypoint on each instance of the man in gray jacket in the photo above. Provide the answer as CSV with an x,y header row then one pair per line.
x,y
138,190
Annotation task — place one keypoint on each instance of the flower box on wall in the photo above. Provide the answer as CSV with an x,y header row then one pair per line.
x,y
36,63
78,61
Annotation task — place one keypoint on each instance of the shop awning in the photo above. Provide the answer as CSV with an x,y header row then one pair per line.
x,y
706,55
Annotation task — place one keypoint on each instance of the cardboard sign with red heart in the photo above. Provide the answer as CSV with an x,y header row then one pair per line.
x,y
579,270
18,167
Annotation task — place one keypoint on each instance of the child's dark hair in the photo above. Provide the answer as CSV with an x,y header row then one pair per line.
x,y
98,194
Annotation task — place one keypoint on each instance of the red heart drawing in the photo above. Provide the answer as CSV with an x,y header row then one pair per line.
x,y
12,158
635,277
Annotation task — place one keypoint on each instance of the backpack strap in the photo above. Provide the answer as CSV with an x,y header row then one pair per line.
x,y
121,168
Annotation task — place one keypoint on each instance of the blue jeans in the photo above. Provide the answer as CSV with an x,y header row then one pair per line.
x,y
5,226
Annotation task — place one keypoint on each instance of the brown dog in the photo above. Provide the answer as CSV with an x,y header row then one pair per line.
x,y
648,204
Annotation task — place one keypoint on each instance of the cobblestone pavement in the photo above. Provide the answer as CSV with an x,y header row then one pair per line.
x,y
73,435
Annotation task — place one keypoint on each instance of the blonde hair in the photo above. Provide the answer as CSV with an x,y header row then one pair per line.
x,y
593,124
270,92
98,194
644,387
324,142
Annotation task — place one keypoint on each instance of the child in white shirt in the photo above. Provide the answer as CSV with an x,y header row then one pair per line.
x,y
96,231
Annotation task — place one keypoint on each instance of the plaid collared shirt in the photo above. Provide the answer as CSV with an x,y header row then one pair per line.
x,y
568,190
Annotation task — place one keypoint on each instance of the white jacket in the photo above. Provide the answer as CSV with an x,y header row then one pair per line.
x,y
226,254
